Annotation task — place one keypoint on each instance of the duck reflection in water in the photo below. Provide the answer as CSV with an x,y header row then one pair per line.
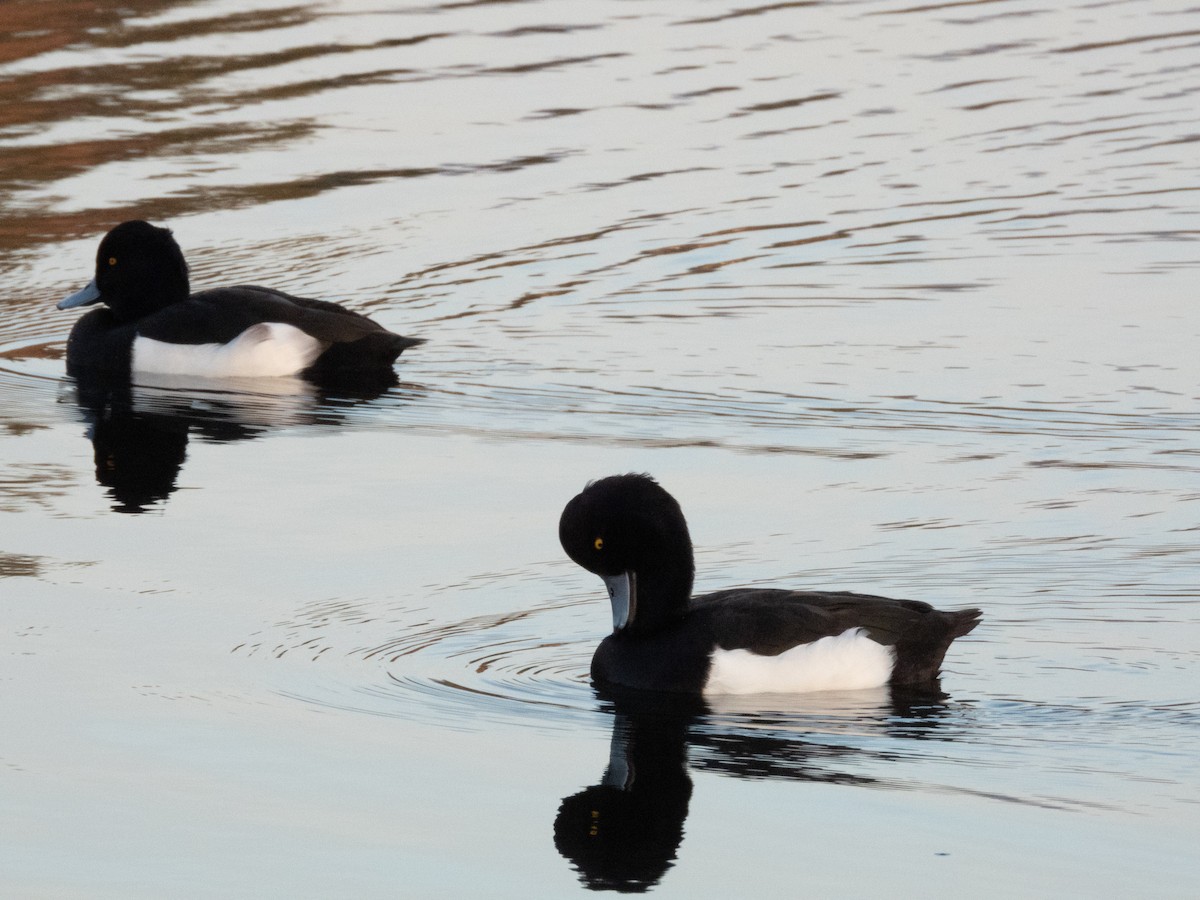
x,y
140,432
624,833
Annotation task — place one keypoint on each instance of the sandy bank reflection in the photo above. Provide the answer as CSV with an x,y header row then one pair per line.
x,y
623,833
140,432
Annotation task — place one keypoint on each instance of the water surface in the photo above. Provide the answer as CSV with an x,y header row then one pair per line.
x,y
893,298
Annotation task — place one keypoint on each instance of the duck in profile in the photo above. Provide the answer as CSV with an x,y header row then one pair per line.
x,y
152,323
628,530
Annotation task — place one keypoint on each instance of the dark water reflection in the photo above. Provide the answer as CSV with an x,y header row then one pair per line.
x,y
140,432
623,833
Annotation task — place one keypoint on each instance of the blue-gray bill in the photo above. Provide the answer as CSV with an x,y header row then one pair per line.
x,y
90,294
622,593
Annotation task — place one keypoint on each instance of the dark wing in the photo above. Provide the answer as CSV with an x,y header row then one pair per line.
x,y
771,621
221,314
358,344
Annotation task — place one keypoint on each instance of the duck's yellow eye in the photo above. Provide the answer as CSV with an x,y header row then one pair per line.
x,y
598,543
112,260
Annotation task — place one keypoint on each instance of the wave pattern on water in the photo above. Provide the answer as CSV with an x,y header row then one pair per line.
x,y
469,674
279,80
945,248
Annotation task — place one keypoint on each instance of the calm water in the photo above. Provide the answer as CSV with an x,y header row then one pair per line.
x,y
898,298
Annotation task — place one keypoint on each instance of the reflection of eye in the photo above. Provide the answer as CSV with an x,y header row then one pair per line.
x,y
112,260
598,543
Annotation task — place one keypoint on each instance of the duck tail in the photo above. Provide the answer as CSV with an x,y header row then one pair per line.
x,y
963,621
919,656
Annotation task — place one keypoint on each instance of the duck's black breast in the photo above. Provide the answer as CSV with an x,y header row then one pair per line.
x,y
675,659
99,342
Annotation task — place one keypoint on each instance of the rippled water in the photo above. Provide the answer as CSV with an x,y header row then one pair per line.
x,y
897,298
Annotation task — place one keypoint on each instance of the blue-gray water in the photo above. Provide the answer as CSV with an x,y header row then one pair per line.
x,y
893,297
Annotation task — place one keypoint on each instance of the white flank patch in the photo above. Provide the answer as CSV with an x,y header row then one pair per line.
x,y
849,661
266,349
